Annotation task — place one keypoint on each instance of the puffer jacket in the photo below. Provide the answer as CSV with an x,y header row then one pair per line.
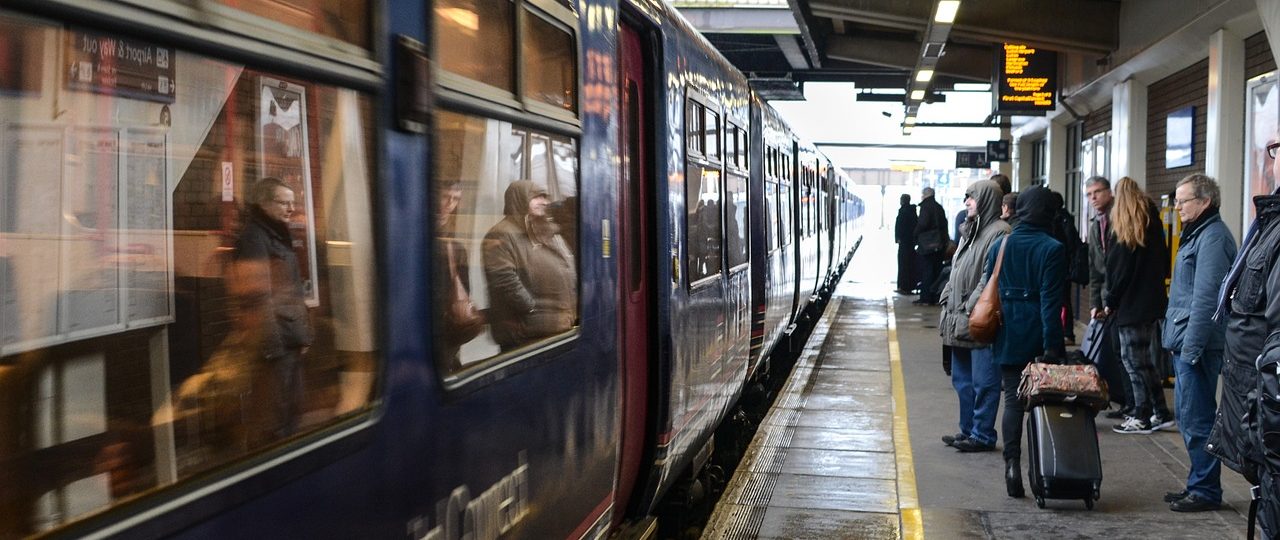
x,y
1203,260
965,286
1253,318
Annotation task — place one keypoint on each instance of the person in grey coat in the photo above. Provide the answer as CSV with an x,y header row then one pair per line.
x,y
974,374
1207,249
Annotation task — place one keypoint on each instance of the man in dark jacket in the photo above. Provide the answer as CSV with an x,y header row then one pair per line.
x,y
904,233
1207,249
265,250
931,244
1243,434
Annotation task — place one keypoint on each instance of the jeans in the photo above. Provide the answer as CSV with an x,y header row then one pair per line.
x,y
1193,389
1139,345
1011,422
975,377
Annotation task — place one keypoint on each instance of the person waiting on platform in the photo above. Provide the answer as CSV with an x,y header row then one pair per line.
x,y
931,244
1137,265
1030,290
1207,249
974,374
533,285
1249,304
904,233
1007,205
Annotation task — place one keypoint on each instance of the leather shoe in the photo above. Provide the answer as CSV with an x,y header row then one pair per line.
x,y
951,440
970,445
1175,496
1013,478
1193,503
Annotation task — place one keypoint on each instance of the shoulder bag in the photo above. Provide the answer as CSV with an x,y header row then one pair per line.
x,y
984,320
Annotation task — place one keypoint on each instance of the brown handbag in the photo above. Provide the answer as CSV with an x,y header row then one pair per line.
x,y
463,322
985,320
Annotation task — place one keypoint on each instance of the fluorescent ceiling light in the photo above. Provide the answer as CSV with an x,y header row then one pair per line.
x,y
947,11
909,120
917,95
906,130
972,87
924,75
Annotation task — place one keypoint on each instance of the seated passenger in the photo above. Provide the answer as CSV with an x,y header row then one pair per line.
x,y
531,274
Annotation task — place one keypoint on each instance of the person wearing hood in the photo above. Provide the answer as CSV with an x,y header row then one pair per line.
x,y
1030,281
904,233
264,249
531,274
1207,249
973,371
1137,265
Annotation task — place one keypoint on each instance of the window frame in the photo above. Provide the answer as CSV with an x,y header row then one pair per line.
x,y
708,107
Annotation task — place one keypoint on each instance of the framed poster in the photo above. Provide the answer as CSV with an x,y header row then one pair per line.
x,y
1262,117
147,239
1179,137
283,153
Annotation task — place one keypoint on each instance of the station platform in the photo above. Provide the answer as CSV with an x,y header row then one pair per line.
x,y
852,449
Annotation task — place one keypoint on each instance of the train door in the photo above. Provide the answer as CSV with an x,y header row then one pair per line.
x,y
634,255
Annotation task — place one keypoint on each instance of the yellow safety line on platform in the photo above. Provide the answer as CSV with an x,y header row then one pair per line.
x,y
908,499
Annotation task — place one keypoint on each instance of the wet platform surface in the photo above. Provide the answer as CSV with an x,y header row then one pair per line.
x,y
844,455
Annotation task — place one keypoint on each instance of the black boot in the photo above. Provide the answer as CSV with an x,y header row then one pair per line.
x,y
1013,478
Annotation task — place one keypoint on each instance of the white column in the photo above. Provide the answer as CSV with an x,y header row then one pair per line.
x,y
1022,150
1224,137
1055,149
1129,132
1269,12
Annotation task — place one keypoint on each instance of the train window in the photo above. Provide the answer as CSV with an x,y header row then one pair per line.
x,y
479,37
693,127
712,127
771,215
735,219
784,204
347,20
702,203
506,276
187,273
550,63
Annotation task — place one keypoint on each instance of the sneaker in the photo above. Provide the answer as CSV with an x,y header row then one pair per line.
x,y
1116,414
1133,425
1159,423
951,440
1194,503
1175,496
970,445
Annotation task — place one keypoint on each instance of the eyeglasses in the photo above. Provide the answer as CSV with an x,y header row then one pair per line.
x,y
1180,202
1271,149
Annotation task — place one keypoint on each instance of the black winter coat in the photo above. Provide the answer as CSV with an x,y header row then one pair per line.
x,y
904,228
1135,277
933,220
264,239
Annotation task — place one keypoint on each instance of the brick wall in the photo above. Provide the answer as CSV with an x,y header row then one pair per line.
x,y
1187,87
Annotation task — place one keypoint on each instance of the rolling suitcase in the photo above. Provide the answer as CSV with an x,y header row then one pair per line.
x,y
1062,444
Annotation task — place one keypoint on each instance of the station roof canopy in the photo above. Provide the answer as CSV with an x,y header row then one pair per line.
x,y
884,44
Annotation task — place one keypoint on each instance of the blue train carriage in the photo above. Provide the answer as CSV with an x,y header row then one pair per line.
x,y
703,315
773,227
164,377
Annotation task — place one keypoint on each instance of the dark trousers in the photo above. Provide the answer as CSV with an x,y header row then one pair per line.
x,y
907,268
1139,349
1011,422
932,267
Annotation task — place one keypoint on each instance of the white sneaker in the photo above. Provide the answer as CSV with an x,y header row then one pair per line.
x,y
1159,423
1133,426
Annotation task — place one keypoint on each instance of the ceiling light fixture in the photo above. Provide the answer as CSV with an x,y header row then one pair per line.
x,y
906,130
947,11
910,120
924,75
917,95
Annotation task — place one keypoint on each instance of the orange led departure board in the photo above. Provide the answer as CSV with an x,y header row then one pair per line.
x,y
1026,80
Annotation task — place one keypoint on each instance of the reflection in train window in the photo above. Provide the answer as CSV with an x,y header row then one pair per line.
x,y
550,63
712,127
347,20
693,127
771,215
479,36
702,219
187,277
505,276
735,219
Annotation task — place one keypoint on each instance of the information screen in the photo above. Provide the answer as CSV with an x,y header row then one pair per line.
x,y
1026,80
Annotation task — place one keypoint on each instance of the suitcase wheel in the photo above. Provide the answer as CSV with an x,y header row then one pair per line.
x,y
1088,503
1039,502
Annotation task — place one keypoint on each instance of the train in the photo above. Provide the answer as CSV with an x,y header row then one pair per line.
x,y
532,259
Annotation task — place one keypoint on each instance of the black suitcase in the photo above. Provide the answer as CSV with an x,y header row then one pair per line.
x,y
1062,444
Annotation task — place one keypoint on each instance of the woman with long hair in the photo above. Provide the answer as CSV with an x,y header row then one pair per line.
x,y
1137,266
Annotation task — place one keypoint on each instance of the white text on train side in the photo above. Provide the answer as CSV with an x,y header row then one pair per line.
x,y
489,515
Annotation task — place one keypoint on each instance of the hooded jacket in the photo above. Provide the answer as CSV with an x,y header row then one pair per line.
x,y
965,286
1031,281
531,274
